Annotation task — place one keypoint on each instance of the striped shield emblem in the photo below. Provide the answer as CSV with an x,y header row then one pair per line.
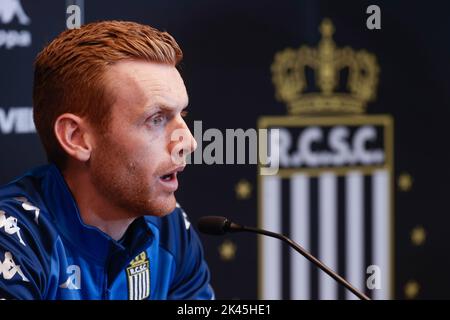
x,y
333,196
138,274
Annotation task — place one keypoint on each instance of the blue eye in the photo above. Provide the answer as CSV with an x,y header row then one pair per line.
x,y
157,120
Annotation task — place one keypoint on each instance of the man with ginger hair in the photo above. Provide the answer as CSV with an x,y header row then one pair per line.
x,y
100,221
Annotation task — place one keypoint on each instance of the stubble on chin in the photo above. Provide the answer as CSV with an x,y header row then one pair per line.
x,y
120,181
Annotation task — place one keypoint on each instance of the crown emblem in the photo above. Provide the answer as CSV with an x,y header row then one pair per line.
x,y
138,260
325,79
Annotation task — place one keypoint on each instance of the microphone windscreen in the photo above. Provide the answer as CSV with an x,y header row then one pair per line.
x,y
214,225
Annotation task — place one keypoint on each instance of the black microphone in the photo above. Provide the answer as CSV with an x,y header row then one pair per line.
x,y
215,225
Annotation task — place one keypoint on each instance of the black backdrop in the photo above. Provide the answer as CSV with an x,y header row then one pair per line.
x,y
229,47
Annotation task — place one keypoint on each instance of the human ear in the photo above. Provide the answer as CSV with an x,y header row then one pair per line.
x,y
73,135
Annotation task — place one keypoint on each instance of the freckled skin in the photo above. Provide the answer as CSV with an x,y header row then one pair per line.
x,y
128,159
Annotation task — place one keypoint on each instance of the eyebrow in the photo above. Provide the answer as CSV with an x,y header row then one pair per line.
x,y
161,107
168,109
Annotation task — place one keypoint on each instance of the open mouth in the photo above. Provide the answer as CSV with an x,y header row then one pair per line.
x,y
169,180
169,177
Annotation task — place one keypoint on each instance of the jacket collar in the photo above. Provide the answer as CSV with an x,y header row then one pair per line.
x,y
88,239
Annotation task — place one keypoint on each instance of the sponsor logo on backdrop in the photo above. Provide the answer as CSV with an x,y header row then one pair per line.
x,y
12,13
16,120
332,193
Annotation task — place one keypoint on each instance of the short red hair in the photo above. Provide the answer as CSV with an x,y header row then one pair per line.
x,y
69,73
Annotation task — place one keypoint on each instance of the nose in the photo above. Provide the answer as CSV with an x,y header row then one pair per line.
x,y
182,142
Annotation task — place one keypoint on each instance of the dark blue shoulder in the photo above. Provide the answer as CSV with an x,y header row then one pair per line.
x,y
22,203
174,231
23,198
27,234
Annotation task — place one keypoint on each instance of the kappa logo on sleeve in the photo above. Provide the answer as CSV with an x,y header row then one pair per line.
x,y
8,268
9,225
26,205
187,223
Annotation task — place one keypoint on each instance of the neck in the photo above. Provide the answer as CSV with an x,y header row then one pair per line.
x,y
94,209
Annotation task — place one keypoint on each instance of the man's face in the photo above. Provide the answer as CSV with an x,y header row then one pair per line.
x,y
132,164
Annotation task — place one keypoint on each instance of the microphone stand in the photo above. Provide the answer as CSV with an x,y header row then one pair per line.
x,y
235,228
